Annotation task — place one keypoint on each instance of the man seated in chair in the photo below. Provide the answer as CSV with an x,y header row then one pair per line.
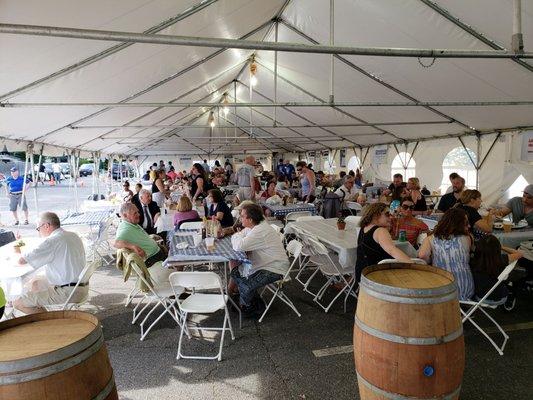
x,y
348,191
130,235
149,211
268,259
62,255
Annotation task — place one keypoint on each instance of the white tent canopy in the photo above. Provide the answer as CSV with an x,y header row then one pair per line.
x,y
377,99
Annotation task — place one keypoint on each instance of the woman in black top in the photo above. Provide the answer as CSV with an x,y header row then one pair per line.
x,y
218,208
374,243
416,196
470,201
489,260
198,183
159,193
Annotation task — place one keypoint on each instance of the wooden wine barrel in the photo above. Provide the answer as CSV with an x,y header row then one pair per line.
x,y
408,335
55,355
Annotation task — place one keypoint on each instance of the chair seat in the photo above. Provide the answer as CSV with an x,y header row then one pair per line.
x,y
164,291
203,303
486,302
327,268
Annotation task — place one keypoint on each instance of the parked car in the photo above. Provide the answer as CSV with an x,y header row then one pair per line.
x,y
86,169
65,169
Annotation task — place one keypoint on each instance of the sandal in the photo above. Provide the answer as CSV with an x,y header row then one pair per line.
x,y
16,223
26,222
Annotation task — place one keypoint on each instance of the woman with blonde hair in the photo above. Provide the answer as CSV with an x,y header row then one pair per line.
x,y
374,243
184,212
470,202
416,196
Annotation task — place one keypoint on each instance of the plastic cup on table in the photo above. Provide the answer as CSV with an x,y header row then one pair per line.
x,y
210,243
507,226
197,239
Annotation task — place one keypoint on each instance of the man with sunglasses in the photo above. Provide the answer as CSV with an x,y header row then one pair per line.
x,y
406,222
62,255
521,207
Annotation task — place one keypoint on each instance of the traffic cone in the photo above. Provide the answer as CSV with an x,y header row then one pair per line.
x,y
52,180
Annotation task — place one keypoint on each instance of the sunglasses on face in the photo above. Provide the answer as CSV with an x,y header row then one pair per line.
x,y
406,207
298,169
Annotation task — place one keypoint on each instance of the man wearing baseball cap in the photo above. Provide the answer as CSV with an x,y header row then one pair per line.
x,y
14,186
521,207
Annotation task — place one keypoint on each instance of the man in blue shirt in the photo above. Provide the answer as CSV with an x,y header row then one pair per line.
x,y
14,186
288,171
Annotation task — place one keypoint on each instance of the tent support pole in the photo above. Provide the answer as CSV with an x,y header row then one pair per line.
x,y
365,156
24,177
332,56
517,41
276,28
490,149
35,178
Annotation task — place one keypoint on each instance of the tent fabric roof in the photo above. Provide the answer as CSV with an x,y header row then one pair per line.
x,y
148,73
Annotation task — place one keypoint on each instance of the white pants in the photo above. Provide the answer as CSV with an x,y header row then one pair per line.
x,y
246,193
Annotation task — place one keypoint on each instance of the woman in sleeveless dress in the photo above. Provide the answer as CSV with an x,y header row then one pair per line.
x,y
374,242
449,248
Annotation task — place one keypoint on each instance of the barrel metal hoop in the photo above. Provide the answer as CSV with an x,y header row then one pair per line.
x,y
397,396
421,341
106,390
392,290
53,357
410,300
54,368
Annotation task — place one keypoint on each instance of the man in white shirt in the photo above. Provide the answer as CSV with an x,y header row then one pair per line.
x,y
268,259
245,179
348,191
62,255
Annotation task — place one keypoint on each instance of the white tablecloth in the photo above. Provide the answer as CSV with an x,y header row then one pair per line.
x,y
515,237
344,243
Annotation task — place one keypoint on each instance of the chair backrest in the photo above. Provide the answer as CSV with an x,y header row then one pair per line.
x,y
353,219
505,273
309,218
317,246
394,261
353,205
293,216
196,280
191,225
276,228
185,221
331,205
88,270
294,248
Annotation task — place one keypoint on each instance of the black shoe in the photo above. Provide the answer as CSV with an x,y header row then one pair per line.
x,y
510,302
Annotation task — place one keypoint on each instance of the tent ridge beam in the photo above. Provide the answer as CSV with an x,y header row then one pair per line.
x,y
107,52
133,37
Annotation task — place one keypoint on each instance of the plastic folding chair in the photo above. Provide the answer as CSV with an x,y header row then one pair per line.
x,y
309,218
83,277
329,266
161,295
294,248
201,303
353,219
395,261
293,216
484,303
304,260
354,207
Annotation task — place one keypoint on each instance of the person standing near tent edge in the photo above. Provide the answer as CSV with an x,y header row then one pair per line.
x,y
14,188
245,179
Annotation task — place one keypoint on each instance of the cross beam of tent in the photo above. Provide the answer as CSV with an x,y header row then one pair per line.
x,y
134,37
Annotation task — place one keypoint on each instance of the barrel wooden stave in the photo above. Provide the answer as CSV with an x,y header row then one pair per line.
x,y
84,373
398,335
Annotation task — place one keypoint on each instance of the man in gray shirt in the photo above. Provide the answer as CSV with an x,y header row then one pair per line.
x,y
521,207
245,179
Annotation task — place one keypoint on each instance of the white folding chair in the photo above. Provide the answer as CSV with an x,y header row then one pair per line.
x,y
484,303
354,206
161,295
353,219
277,228
191,225
309,218
304,260
294,248
83,278
293,216
329,266
201,303
395,261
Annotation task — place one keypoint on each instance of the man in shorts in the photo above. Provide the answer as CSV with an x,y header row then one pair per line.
x,y
14,187
62,255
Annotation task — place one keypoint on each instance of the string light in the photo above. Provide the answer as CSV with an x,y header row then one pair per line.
x,y
211,119
253,71
225,102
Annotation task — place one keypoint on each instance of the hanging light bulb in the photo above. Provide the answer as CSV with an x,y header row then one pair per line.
x,y
225,102
253,71
211,119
